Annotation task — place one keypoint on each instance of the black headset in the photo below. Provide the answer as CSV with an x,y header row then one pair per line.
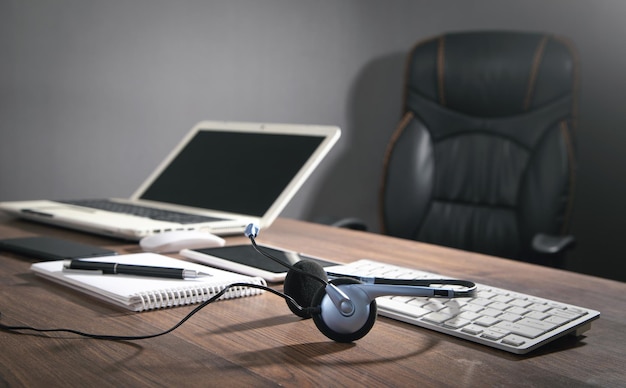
x,y
343,309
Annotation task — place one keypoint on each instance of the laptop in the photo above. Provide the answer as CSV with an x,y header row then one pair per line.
x,y
219,178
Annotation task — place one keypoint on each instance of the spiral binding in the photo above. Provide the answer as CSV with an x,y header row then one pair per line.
x,y
189,295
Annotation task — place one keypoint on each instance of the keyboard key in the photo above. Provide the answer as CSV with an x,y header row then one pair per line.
x,y
433,306
486,294
436,317
402,308
539,307
473,307
536,315
494,333
499,306
502,298
457,302
517,310
540,325
418,302
515,328
510,317
514,340
520,303
556,320
470,315
577,311
473,329
457,322
480,301
565,313
402,299
490,312
486,321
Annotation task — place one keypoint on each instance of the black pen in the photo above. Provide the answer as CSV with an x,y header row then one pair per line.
x,y
128,269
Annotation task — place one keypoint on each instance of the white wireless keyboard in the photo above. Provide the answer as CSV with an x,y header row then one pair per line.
x,y
495,317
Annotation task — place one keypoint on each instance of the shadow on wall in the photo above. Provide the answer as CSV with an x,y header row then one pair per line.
x,y
351,189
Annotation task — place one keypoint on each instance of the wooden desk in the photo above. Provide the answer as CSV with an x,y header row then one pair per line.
x,y
256,341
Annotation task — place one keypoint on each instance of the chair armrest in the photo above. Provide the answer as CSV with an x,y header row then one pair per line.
x,y
347,223
551,244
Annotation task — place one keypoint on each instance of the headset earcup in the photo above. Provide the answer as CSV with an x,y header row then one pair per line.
x,y
328,331
302,288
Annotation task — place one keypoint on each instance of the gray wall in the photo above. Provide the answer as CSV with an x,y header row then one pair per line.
x,y
93,94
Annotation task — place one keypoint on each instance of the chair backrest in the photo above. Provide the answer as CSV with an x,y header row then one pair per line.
x,y
483,157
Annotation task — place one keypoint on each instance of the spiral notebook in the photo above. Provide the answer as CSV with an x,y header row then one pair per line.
x,y
139,293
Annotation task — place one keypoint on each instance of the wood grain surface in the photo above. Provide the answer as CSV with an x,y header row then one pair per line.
x,y
257,341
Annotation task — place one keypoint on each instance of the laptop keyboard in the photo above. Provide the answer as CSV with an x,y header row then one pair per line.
x,y
496,317
141,211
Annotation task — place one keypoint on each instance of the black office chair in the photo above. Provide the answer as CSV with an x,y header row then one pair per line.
x,y
483,157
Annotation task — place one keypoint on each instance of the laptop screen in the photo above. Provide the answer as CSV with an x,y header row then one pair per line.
x,y
230,171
